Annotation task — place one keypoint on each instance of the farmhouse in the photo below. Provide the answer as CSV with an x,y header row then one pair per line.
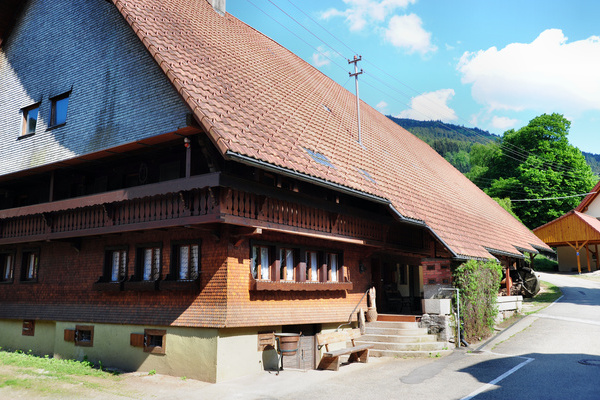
x,y
175,186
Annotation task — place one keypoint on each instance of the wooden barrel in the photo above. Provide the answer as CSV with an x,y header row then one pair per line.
x,y
287,343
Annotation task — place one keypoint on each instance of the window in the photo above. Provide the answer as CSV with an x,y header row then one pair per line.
x,y
30,117
155,341
28,328
6,267
84,335
58,112
287,263
332,266
261,262
186,261
30,265
116,265
312,266
149,262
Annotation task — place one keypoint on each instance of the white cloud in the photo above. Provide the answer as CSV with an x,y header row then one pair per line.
x,y
503,123
546,75
322,58
406,31
431,106
381,106
361,12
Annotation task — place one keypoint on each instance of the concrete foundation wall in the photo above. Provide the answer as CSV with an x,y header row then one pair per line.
x,y
42,343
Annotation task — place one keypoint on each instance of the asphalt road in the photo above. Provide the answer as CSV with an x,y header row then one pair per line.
x,y
554,354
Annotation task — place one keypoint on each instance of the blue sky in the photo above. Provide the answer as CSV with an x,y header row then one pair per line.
x,y
494,65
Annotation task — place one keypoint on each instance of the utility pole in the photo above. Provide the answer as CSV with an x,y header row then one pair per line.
x,y
355,75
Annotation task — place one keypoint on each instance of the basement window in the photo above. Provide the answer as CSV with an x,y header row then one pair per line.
x,y
28,328
155,341
84,335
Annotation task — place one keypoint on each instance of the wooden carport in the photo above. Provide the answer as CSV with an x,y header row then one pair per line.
x,y
575,229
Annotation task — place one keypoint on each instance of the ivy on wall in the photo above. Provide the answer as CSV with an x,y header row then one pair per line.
x,y
479,282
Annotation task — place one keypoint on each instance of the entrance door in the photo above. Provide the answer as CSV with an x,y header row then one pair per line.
x,y
397,281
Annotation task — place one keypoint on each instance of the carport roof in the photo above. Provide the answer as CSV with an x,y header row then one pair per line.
x,y
572,228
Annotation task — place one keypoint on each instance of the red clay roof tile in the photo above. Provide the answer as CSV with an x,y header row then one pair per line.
x,y
257,99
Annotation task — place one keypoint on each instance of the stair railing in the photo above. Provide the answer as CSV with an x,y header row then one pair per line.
x,y
352,312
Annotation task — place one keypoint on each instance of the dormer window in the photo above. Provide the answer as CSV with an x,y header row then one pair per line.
x,y
58,111
30,117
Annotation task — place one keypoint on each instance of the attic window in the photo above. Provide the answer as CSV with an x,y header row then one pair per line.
x,y
30,117
366,175
58,113
320,158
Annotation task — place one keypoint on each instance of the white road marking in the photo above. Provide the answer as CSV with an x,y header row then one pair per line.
x,y
492,383
569,319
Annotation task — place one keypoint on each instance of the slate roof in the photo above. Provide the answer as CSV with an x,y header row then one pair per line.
x,y
258,101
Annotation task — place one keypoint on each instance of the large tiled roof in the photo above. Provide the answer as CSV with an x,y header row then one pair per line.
x,y
258,100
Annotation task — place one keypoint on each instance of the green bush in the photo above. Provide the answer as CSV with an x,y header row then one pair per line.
x,y
479,282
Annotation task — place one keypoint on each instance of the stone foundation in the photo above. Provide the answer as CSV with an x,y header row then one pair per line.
x,y
440,325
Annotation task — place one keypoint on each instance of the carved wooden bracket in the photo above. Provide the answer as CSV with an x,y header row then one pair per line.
x,y
108,212
185,202
47,218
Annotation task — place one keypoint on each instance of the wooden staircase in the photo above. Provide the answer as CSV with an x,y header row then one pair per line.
x,y
401,338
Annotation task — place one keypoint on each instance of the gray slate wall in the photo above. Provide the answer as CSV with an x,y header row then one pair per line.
x,y
119,94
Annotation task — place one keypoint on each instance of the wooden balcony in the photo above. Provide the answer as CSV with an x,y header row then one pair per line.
x,y
210,198
172,203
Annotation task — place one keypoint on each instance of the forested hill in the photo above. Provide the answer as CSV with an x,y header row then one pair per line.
x,y
429,131
454,142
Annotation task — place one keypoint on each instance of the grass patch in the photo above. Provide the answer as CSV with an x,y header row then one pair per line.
x,y
51,366
544,264
49,375
548,294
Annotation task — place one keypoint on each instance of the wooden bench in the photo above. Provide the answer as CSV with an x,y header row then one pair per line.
x,y
331,359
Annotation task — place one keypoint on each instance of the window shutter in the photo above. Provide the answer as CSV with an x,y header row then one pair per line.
x,y
136,339
69,335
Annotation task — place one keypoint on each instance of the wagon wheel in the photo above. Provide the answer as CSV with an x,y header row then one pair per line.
x,y
531,284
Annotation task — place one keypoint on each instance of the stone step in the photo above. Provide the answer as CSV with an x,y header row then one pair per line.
x,y
398,339
395,332
409,354
429,346
395,325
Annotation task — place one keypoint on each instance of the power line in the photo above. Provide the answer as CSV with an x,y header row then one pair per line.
x,y
556,198
511,151
299,38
